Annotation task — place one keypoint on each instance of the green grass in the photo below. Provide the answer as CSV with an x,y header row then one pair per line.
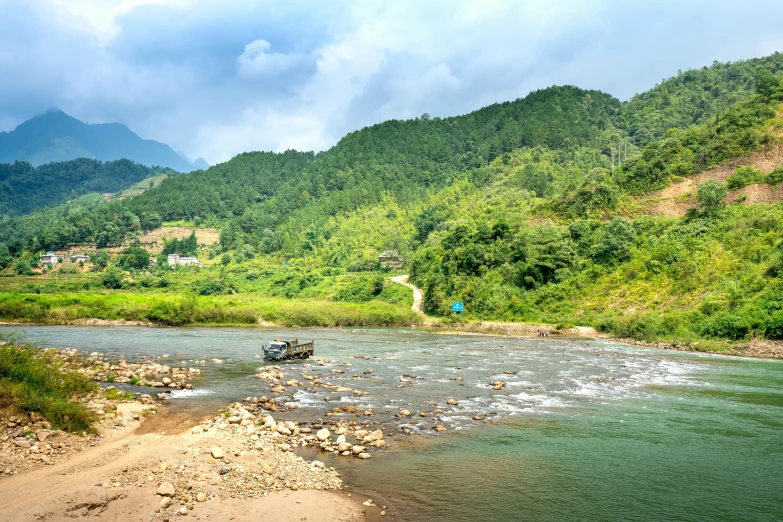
x,y
33,381
177,310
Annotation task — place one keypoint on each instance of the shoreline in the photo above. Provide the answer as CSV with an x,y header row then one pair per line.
x,y
753,348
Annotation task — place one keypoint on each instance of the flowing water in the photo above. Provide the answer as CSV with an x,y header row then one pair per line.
x,y
583,430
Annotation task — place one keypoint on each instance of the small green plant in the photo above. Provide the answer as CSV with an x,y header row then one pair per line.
x,y
134,381
111,378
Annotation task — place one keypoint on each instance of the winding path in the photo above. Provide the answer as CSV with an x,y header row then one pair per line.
x,y
418,296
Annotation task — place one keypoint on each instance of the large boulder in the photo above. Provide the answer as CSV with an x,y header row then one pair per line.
x,y
166,490
323,434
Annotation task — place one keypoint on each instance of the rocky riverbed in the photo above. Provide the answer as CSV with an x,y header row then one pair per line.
x,y
147,373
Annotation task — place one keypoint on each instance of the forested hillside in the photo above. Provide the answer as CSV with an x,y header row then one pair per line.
x,y
25,188
540,209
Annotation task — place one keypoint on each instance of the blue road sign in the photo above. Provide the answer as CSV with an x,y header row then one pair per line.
x,y
456,307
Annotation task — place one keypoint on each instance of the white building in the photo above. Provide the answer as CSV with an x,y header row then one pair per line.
x,y
49,259
177,260
79,258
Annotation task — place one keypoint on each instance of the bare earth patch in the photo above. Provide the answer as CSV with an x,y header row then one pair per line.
x,y
677,198
153,241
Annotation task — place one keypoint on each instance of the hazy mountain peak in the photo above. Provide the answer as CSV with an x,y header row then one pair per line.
x,y
53,135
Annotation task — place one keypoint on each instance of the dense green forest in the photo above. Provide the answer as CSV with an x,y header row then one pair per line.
x,y
532,210
25,188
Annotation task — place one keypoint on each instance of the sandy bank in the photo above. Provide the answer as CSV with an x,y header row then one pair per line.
x,y
126,478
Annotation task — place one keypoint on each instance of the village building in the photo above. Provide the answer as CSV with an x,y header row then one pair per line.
x,y
49,259
391,259
79,258
177,260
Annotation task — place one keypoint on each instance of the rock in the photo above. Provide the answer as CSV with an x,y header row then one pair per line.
x,y
323,434
364,455
166,489
357,450
166,502
405,413
217,453
340,439
166,381
376,435
201,497
318,464
224,470
42,435
344,446
452,402
183,510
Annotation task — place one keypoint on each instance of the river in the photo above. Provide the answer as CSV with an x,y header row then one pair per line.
x,y
583,429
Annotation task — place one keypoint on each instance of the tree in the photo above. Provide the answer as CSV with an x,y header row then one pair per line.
x,y
100,260
766,83
23,268
135,258
616,243
5,256
710,194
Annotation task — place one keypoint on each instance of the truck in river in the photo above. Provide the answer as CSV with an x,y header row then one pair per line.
x,y
279,350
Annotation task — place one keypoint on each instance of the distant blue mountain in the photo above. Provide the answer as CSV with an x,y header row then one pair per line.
x,y
55,136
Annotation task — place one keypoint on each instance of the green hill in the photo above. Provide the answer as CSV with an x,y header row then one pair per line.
x,y
24,188
540,209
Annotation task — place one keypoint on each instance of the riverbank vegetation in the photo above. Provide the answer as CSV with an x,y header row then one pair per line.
x,y
34,381
565,207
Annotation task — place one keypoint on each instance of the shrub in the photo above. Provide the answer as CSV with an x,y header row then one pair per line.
x,y
775,177
744,175
112,280
726,326
773,327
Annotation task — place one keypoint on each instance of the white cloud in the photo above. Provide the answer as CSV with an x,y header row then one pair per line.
x,y
217,77
256,61
100,15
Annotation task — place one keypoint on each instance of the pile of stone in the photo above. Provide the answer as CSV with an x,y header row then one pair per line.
x,y
147,373
343,437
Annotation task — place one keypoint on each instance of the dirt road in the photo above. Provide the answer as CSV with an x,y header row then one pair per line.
x,y
418,296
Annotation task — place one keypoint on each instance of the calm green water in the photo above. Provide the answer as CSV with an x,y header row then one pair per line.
x,y
584,430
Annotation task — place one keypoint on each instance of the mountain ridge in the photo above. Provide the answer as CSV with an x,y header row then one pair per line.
x,y
54,136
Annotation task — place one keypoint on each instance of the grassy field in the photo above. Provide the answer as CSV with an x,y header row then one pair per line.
x,y
32,381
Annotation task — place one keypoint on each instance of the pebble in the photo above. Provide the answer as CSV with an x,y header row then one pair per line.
x,y
217,453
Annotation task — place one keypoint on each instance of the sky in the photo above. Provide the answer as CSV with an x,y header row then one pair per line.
x,y
215,78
